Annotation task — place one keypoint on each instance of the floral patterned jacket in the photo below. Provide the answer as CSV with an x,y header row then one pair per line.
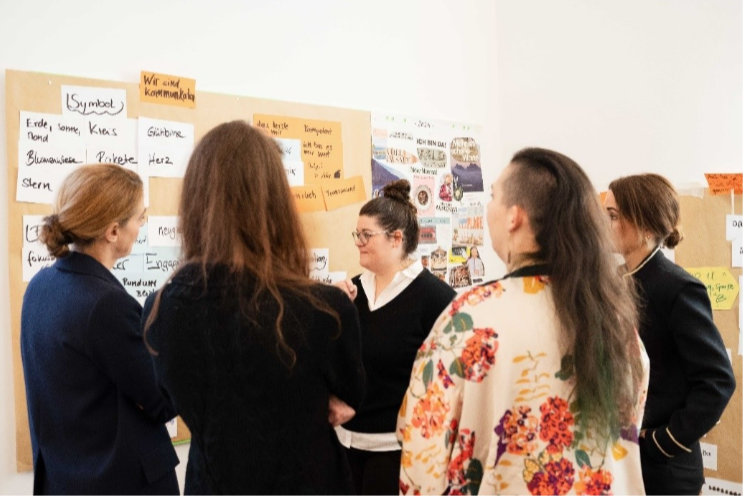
x,y
489,411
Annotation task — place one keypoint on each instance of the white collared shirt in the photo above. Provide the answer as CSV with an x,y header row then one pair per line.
x,y
401,281
386,441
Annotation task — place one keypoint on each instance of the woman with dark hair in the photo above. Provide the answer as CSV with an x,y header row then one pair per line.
x,y
691,377
96,414
398,302
249,348
534,383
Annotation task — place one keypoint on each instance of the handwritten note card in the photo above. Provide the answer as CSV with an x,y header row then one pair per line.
x,y
132,263
141,245
164,147
51,128
343,192
319,261
35,255
167,90
308,198
322,143
737,255
88,100
141,284
722,287
105,129
721,184
163,231
162,259
294,172
42,168
733,227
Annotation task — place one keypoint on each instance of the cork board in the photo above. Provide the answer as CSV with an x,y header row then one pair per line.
x,y
704,245
38,92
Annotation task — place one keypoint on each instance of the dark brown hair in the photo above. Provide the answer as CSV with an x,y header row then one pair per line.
x,y
650,203
237,211
594,306
395,211
89,200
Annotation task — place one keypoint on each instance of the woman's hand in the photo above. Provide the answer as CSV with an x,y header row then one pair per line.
x,y
339,412
348,287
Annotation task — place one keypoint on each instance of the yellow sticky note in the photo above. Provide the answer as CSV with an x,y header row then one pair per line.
x,y
308,198
167,90
322,143
343,192
721,184
722,287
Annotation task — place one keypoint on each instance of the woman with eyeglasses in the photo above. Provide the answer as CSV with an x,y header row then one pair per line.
x,y
398,302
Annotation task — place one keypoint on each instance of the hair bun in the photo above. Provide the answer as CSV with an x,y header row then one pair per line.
x,y
673,239
398,190
54,237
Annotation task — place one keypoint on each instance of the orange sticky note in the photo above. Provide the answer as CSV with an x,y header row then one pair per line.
x,y
602,198
308,198
322,143
343,192
721,184
167,90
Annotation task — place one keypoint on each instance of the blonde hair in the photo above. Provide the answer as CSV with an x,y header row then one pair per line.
x,y
89,200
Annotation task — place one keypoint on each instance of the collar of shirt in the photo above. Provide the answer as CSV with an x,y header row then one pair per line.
x,y
401,281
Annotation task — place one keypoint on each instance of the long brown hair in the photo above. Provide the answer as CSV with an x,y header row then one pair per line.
x,y
89,200
595,307
237,211
650,203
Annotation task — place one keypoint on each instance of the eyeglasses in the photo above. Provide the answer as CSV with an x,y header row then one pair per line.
x,y
363,236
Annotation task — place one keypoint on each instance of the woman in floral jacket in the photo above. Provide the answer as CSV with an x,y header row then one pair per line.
x,y
533,384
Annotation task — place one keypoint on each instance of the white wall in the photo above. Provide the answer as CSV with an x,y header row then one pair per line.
x,y
433,58
623,87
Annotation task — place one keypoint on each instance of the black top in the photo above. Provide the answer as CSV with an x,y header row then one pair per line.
x,y
691,377
257,426
95,412
391,336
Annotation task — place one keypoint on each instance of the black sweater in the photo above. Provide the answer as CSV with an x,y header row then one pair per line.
x,y
257,426
391,336
691,378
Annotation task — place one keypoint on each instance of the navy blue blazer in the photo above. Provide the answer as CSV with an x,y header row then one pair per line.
x,y
95,410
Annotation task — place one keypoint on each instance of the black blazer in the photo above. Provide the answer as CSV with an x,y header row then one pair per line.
x,y
691,377
257,425
95,411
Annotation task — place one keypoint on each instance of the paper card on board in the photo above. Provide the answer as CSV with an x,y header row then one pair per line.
x,y
33,154
165,259
709,455
134,262
291,149
343,192
32,229
294,172
733,227
141,284
330,277
167,90
721,184
53,129
39,184
163,161
737,255
308,198
163,230
319,261
119,152
161,133
107,129
33,259
141,245
722,287
90,100
172,426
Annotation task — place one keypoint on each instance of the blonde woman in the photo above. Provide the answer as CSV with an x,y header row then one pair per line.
x,y
96,415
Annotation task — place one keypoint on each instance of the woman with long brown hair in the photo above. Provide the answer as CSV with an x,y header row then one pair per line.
x,y
96,414
691,377
533,383
249,348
